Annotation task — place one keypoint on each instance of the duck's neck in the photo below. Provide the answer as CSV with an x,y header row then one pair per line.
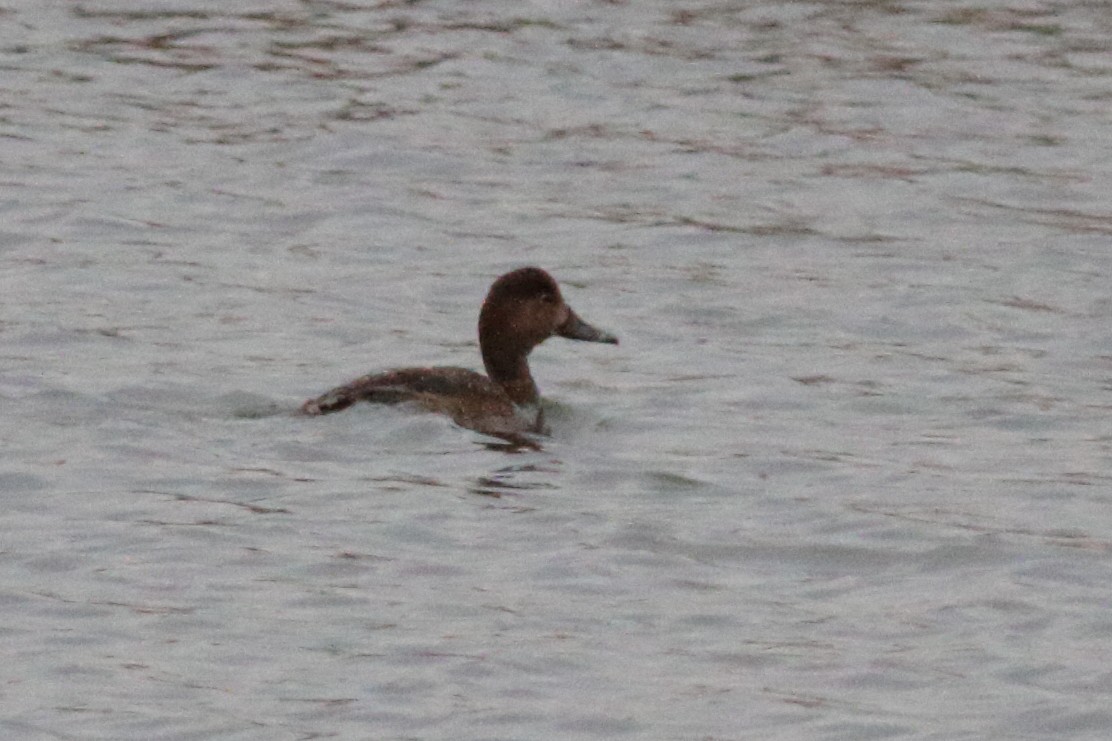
x,y
511,372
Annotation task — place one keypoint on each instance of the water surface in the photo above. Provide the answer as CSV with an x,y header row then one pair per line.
x,y
847,476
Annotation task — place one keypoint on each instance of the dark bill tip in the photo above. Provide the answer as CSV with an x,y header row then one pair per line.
x,y
575,328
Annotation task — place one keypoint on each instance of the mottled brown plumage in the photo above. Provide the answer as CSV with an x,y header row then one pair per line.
x,y
522,309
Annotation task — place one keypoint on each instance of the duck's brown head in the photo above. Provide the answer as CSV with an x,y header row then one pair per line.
x,y
522,309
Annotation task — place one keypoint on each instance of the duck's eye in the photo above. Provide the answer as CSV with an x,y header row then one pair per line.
x,y
548,298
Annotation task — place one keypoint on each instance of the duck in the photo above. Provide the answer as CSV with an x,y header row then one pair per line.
x,y
522,309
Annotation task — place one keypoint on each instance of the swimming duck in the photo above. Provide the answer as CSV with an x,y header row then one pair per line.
x,y
522,309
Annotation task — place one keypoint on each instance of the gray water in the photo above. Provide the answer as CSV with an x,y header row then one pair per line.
x,y
848,475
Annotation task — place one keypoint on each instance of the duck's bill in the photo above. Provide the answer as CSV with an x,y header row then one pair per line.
x,y
575,328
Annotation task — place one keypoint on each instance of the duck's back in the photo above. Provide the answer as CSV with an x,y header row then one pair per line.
x,y
469,398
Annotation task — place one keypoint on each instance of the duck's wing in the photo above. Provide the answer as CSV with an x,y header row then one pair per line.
x,y
441,389
472,400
